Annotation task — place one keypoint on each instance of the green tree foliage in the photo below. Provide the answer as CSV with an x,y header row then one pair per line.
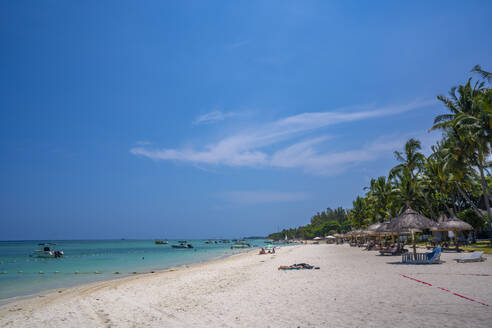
x,y
322,224
471,217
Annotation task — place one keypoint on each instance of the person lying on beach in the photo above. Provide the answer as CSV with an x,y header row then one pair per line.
x,y
299,266
262,251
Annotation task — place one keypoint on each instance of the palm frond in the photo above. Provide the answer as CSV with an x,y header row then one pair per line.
x,y
484,74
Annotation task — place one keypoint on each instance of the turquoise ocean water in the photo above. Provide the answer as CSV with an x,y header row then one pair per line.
x,y
20,273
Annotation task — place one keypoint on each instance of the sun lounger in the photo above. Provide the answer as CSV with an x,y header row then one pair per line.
x,y
392,251
473,257
433,257
389,251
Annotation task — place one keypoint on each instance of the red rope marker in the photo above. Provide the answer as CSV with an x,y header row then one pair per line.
x,y
422,282
446,290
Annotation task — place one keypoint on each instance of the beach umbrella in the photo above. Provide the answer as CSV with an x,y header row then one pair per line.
x,y
350,234
372,230
317,238
452,224
377,229
337,235
412,222
383,229
330,237
374,227
359,232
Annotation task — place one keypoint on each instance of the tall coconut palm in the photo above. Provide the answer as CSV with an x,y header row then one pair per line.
x,y
379,196
410,158
405,186
453,171
357,214
439,176
484,74
405,176
468,124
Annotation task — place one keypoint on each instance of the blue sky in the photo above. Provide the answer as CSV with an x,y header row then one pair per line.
x,y
188,119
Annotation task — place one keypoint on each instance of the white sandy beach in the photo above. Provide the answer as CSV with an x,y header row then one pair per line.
x,y
353,288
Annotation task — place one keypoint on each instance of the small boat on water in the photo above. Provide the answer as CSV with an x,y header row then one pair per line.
x,y
240,244
161,242
182,244
46,252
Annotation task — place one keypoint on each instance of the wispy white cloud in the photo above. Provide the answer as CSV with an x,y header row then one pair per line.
x,y
261,197
247,148
214,116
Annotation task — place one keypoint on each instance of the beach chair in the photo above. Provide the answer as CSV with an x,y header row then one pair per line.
x,y
433,257
389,251
473,257
393,251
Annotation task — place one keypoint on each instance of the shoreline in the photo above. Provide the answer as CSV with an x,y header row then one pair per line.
x,y
115,277
352,288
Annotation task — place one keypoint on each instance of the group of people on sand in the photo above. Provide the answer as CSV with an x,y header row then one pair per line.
x,y
268,251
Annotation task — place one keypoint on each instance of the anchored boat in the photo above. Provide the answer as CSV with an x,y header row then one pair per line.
x,y
182,244
46,252
240,244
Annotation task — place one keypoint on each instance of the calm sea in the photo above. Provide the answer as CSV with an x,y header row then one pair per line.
x,y
20,273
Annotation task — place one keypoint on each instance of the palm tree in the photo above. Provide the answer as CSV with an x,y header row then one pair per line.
x,y
485,75
410,158
453,172
406,188
379,197
468,125
357,214
405,175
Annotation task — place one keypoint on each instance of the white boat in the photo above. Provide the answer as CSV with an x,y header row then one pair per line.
x,y
240,244
182,244
46,252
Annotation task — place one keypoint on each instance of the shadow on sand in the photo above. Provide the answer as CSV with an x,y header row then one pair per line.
x,y
401,263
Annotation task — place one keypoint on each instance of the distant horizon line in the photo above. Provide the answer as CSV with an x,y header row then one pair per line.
x,y
134,239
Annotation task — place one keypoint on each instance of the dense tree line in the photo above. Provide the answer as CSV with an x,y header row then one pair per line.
x,y
322,224
454,179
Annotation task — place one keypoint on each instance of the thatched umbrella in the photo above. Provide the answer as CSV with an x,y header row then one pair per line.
x,y
359,233
452,224
349,235
374,227
384,229
411,221
372,230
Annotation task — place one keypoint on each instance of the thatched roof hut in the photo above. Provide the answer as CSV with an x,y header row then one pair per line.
x,y
452,224
411,221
